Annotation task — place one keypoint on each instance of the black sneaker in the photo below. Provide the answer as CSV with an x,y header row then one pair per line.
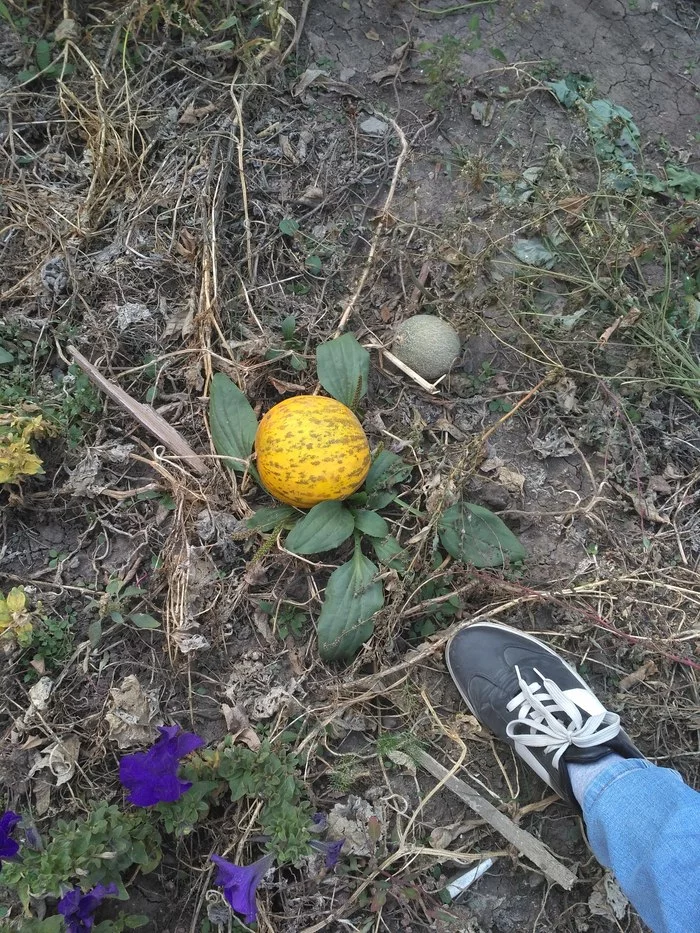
x,y
532,699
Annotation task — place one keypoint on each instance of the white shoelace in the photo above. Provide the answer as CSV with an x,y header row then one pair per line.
x,y
538,726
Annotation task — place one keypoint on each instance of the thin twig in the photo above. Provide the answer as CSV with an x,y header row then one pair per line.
x,y
526,844
381,227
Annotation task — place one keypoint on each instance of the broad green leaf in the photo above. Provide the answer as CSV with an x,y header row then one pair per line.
x,y
134,921
498,54
53,924
143,620
288,226
232,422
533,252
269,517
379,500
313,264
387,469
390,553
5,356
94,632
42,54
566,95
353,596
371,523
289,325
343,368
476,536
325,527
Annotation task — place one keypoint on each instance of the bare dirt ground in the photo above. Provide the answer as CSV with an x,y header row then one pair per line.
x,y
146,207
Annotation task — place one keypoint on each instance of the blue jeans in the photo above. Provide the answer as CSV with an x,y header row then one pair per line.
x,y
643,822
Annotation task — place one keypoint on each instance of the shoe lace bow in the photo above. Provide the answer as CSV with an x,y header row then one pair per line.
x,y
548,718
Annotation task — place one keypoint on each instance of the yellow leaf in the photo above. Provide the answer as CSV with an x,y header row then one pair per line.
x,y
17,459
16,599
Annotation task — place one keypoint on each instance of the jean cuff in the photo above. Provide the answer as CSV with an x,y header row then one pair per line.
x,y
608,777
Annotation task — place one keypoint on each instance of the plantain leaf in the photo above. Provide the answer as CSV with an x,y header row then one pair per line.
x,y
476,536
42,54
342,366
370,523
232,423
269,517
390,553
352,599
387,469
325,527
143,620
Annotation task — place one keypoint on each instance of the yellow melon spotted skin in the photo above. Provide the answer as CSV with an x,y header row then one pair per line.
x,y
310,449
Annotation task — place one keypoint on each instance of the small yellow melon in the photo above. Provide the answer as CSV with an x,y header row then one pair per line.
x,y
310,449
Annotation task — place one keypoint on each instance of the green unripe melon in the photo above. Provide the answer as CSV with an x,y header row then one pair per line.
x,y
427,344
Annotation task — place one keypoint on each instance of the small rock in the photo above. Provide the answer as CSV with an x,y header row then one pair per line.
x,y
374,127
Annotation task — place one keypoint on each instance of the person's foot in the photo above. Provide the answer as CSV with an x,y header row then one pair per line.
x,y
532,699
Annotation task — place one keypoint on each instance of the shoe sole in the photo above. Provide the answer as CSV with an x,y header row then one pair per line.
x,y
504,628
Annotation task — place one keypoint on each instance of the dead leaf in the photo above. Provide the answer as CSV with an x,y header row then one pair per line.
x,y
373,35
39,694
565,389
574,204
659,484
239,726
261,620
60,758
192,115
311,196
607,899
632,316
133,714
283,387
512,480
310,76
67,30
42,797
638,676
403,761
186,245
644,507
553,444
442,424
609,331
401,50
187,642
390,72
482,111
351,821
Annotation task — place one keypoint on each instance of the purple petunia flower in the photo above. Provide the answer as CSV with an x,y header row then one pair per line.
x,y
151,777
8,847
330,849
239,884
78,909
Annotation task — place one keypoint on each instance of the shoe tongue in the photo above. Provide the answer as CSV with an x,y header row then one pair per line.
x,y
576,755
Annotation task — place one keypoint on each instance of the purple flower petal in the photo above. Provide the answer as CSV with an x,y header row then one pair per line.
x,y
78,909
239,884
331,850
151,777
8,847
